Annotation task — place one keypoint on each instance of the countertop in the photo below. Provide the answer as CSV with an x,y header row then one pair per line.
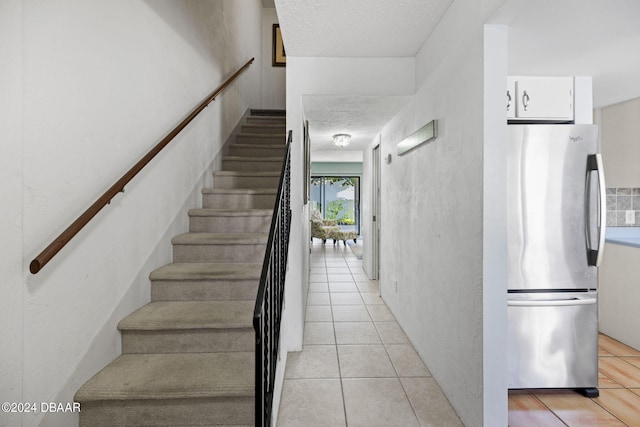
x,y
627,236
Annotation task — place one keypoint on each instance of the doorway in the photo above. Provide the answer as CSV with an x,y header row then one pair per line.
x,y
337,198
375,208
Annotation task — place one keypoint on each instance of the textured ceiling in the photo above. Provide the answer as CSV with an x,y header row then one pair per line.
x,y
354,28
358,28
360,116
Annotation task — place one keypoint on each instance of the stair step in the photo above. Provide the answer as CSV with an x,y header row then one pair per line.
x,y
219,247
229,220
189,326
282,121
258,164
246,179
170,390
261,138
205,281
239,198
257,150
267,112
263,128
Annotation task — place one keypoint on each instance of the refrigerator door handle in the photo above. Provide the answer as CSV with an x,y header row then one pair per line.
x,y
594,163
551,303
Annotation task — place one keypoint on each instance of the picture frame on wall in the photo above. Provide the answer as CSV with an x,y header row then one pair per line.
x,y
279,58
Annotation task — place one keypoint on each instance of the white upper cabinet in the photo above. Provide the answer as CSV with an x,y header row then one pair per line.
x,y
511,98
544,99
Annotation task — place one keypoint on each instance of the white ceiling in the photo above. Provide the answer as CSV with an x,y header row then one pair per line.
x,y
358,28
598,38
360,116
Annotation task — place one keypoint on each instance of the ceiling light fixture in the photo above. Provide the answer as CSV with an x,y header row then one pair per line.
x,y
341,139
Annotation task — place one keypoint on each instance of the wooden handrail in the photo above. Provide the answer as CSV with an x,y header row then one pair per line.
x,y
59,242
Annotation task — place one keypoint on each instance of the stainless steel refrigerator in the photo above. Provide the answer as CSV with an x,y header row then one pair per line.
x,y
556,223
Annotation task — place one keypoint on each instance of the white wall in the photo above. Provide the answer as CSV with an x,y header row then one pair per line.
x,y
432,217
619,130
274,78
93,86
11,284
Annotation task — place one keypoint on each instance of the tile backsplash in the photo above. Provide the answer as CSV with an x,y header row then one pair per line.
x,y
619,201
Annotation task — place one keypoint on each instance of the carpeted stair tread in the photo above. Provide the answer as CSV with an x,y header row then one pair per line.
x,y
256,191
230,212
276,128
253,159
220,239
181,315
172,376
204,271
265,174
262,112
250,145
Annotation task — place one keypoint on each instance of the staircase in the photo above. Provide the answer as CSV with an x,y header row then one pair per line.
x,y
188,356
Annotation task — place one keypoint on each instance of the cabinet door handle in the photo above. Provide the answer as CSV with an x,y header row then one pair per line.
x,y
525,100
508,100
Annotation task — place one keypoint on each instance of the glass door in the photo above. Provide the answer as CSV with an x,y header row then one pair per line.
x,y
337,198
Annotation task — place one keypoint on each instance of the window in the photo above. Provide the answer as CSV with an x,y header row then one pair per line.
x,y
337,197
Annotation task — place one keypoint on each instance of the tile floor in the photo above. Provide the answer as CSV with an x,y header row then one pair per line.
x,y
618,404
357,367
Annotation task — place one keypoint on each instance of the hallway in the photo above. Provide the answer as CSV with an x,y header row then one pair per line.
x,y
357,367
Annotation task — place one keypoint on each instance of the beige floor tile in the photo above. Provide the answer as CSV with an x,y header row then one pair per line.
x,y
350,313
377,402
318,333
364,361
318,278
391,333
343,287
346,298
606,382
369,287
616,347
406,361
356,333
372,298
336,263
338,270
604,353
314,361
623,403
620,371
312,403
429,403
340,278
318,298
577,410
318,313
525,410
380,313
318,287
361,277
634,360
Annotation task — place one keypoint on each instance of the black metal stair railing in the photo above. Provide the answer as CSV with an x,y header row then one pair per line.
x,y
268,309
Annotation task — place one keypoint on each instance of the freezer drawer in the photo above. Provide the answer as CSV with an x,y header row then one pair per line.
x,y
553,340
